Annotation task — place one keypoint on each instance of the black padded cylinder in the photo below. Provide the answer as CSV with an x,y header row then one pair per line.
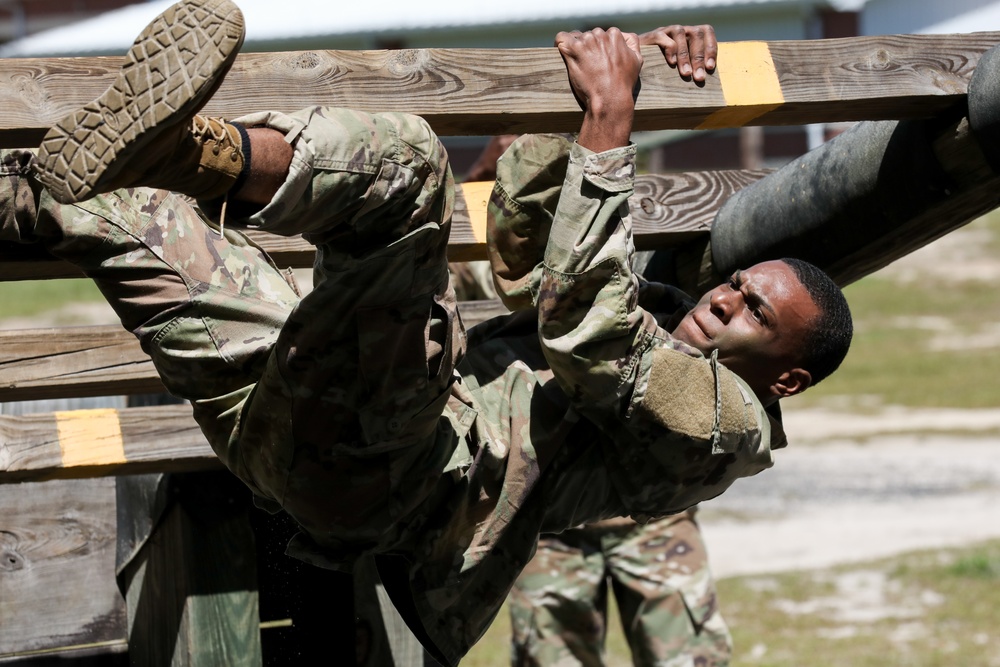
x,y
984,109
831,202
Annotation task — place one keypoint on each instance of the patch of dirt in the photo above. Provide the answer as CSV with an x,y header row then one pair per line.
x,y
856,487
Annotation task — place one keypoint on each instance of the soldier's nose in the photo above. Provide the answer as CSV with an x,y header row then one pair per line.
x,y
721,305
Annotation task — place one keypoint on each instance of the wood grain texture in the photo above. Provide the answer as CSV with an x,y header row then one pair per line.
x,y
155,439
493,91
671,209
667,209
57,566
103,361
191,592
82,360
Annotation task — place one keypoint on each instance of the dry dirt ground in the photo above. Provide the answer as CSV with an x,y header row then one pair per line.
x,y
854,488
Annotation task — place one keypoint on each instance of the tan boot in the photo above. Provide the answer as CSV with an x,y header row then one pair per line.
x,y
202,159
133,133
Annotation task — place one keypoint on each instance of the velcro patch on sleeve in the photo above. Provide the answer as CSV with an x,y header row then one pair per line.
x,y
698,398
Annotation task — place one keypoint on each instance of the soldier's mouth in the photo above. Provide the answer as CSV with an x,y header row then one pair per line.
x,y
696,318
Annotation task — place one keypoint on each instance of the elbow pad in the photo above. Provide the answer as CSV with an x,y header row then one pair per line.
x,y
701,399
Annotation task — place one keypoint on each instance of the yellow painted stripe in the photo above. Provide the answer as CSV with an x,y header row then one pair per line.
x,y
750,84
477,196
90,437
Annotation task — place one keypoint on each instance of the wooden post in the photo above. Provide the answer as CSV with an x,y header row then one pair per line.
x,y
186,566
57,557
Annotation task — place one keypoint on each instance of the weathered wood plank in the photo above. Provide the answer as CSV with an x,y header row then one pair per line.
x,y
666,209
191,590
95,443
83,361
104,360
491,91
57,567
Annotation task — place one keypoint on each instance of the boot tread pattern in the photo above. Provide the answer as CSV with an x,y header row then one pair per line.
x,y
171,70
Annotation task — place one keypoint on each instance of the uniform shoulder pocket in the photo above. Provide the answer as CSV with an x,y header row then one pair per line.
x,y
699,398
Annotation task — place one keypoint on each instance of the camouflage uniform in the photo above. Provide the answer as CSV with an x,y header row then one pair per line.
x,y
660,577
356,408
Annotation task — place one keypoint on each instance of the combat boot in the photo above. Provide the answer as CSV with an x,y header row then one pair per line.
x,y
202,158
143,129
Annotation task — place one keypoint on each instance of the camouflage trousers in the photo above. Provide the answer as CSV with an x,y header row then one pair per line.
x,y
661,581
342,390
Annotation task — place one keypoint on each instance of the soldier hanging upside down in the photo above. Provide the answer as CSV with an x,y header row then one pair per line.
x,y
362,409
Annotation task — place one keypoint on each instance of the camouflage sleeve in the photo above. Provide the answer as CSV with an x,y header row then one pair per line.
x,y
664,405
529,182
592,330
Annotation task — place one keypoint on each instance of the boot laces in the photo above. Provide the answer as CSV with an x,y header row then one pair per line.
x,y
204,128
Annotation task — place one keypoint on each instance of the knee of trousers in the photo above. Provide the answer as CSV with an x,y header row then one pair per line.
x,y
349,164
416,133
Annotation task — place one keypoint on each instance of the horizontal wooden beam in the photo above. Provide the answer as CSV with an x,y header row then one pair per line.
x,y
492,91
37,364
666,209
96,443
73,362
94,361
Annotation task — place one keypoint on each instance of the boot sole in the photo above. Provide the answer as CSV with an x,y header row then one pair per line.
x,y
171,71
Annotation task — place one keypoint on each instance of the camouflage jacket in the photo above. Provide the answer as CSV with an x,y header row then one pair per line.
x,y
581,408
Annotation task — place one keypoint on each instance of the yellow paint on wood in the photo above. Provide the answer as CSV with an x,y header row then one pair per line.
x,y
90,437
477,196
750,84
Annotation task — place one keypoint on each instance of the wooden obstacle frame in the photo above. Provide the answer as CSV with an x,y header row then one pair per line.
x,y
65,474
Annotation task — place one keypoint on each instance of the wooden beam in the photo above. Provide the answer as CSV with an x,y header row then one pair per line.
x,y
104,360
96,443
492,91
667,209
73,362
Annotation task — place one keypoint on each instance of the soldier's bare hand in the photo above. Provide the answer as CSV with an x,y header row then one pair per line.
x,y
691,49
603,65
603,68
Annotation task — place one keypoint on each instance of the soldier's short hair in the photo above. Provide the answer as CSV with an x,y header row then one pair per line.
x,y
831,333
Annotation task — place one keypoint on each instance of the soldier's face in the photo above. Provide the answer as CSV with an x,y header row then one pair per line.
x,y
758,320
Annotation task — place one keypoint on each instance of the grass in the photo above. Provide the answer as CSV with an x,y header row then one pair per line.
x,y
33,297
925,609
900,365
925,344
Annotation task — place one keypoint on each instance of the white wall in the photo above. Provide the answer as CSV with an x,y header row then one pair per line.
x,y
883,17
784,23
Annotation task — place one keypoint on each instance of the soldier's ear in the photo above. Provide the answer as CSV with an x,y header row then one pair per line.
x,y
792,382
